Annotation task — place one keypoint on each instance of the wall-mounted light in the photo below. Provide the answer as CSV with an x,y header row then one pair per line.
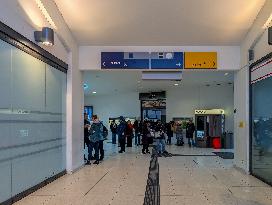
x,y
85,86
268,22
45,36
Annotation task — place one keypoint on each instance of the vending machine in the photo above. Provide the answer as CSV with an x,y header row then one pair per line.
x,y
210,127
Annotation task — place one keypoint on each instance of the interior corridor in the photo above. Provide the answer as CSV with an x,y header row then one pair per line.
x,y
200,177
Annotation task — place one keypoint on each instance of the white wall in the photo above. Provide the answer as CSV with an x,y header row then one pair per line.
x,y
255,39
106,106
183,102
180,103
90,56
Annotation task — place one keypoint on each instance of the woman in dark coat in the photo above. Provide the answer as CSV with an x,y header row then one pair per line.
x,y
190,129
169,131
146,135
129,133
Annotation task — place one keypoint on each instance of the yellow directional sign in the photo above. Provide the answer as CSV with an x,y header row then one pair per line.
x,y
200,60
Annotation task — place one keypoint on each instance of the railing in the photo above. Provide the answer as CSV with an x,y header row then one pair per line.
x,y
152,193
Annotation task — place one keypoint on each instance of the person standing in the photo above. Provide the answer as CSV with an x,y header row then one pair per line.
x,y
129,133
113,127
179,133
96,131
121,131
169,131
137,134
190,129
146,134
87,141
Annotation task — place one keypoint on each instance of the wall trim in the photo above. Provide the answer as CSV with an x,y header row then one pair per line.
x,y
14,38
29,191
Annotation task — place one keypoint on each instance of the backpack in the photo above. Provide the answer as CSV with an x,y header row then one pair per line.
x,y
105,132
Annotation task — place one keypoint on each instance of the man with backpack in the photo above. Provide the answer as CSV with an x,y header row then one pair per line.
x,y
96,134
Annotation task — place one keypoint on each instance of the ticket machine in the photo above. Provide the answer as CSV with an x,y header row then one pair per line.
x,y
210,126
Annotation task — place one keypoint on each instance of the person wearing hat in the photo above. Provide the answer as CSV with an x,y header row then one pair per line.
x,y
121,131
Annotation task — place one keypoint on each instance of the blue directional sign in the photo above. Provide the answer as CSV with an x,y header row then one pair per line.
x,y
167,60
125,60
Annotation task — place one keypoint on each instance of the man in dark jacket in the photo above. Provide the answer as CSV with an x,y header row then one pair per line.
x,y
190,129
121,131
113,128
87,141
137,134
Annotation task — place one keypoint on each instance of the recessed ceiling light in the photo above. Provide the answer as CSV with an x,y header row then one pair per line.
x,y
94,92
176,84
226,74
139,81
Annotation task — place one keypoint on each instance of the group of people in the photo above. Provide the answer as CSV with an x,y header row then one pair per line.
x,y
94,135
145,132
177,129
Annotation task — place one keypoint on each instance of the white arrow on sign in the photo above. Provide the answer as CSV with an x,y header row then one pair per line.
x,y
178,64
125,65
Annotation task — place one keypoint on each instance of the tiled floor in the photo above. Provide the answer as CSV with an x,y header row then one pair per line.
x,y
121,180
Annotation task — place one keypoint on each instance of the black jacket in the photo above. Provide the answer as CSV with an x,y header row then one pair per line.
x,y
190,129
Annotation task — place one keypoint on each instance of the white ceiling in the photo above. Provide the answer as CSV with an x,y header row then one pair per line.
x,y
159,22
115,82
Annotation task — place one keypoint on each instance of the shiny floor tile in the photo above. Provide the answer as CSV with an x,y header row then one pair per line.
x,y
184,180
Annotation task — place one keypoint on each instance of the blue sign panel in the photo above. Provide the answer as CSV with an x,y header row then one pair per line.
x,y
125,60
167,60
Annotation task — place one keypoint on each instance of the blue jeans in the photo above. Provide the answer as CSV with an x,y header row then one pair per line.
x,y
137,138
160,145
113,138
95,146
190,141
90,150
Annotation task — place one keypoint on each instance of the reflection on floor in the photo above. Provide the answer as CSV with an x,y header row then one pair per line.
x,y
121,180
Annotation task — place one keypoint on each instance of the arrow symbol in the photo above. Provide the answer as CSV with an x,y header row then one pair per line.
x,y
125,64
178,64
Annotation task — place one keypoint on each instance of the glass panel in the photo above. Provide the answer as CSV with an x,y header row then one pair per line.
x,y
5,105
5,75
28,82
32,121
262,129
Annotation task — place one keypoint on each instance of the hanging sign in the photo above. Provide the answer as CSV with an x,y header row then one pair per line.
x,y
125,60
200,60
167,60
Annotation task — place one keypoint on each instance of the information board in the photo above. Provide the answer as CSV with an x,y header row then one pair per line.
x,y
200,60
125,60
167,60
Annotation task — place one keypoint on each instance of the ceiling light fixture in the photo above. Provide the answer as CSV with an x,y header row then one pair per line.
x,y
45,36
226,74
176,84
94,92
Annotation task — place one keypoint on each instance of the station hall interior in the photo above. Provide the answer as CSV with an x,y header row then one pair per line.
x,y
128,102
